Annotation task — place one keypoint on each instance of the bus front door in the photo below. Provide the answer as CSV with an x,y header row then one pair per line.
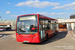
x,y
42,33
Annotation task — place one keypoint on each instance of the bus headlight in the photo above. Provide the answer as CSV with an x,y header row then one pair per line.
x,y
18,36
35,35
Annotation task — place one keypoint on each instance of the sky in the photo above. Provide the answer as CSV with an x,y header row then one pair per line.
x,y
10,9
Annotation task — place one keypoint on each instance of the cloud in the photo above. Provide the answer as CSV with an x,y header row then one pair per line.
x,y
62,17
37,4
8,3
7,12
66,6
14,15
73,13
73,8
49,14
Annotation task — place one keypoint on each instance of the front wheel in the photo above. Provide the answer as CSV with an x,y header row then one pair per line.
x,y
55,33
47,36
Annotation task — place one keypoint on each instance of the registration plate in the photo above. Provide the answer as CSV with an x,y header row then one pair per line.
x,y
26,41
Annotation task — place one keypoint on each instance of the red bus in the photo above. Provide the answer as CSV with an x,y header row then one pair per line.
x,y
34,28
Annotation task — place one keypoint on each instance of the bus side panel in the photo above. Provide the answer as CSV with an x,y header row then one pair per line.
x,y
49,32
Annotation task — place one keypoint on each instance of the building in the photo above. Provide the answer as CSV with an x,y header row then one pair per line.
x,y
66,24
7,24
72,17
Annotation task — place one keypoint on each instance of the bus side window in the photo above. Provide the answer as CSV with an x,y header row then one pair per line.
x,y
41,24
47,25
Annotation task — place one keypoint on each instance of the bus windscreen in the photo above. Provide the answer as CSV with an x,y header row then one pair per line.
x,y
27,24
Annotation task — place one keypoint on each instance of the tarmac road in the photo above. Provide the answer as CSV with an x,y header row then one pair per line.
x,y
59,42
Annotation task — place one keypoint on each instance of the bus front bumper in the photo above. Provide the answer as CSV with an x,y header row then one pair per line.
x,y
31,39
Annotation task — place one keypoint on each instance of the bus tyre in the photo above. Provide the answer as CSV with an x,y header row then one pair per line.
x,y
55,33
47,36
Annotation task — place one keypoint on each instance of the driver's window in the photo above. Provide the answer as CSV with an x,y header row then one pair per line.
x,y
21,26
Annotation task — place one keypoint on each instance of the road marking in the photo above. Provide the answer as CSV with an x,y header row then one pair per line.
x,y
71,37
73,34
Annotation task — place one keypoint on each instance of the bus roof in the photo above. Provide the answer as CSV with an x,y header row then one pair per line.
x,y
40,16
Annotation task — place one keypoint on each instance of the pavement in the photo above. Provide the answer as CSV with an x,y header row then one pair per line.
x,y
61,41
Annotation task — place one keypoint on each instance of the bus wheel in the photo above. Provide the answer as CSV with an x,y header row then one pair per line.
x,y
55,33
47,36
